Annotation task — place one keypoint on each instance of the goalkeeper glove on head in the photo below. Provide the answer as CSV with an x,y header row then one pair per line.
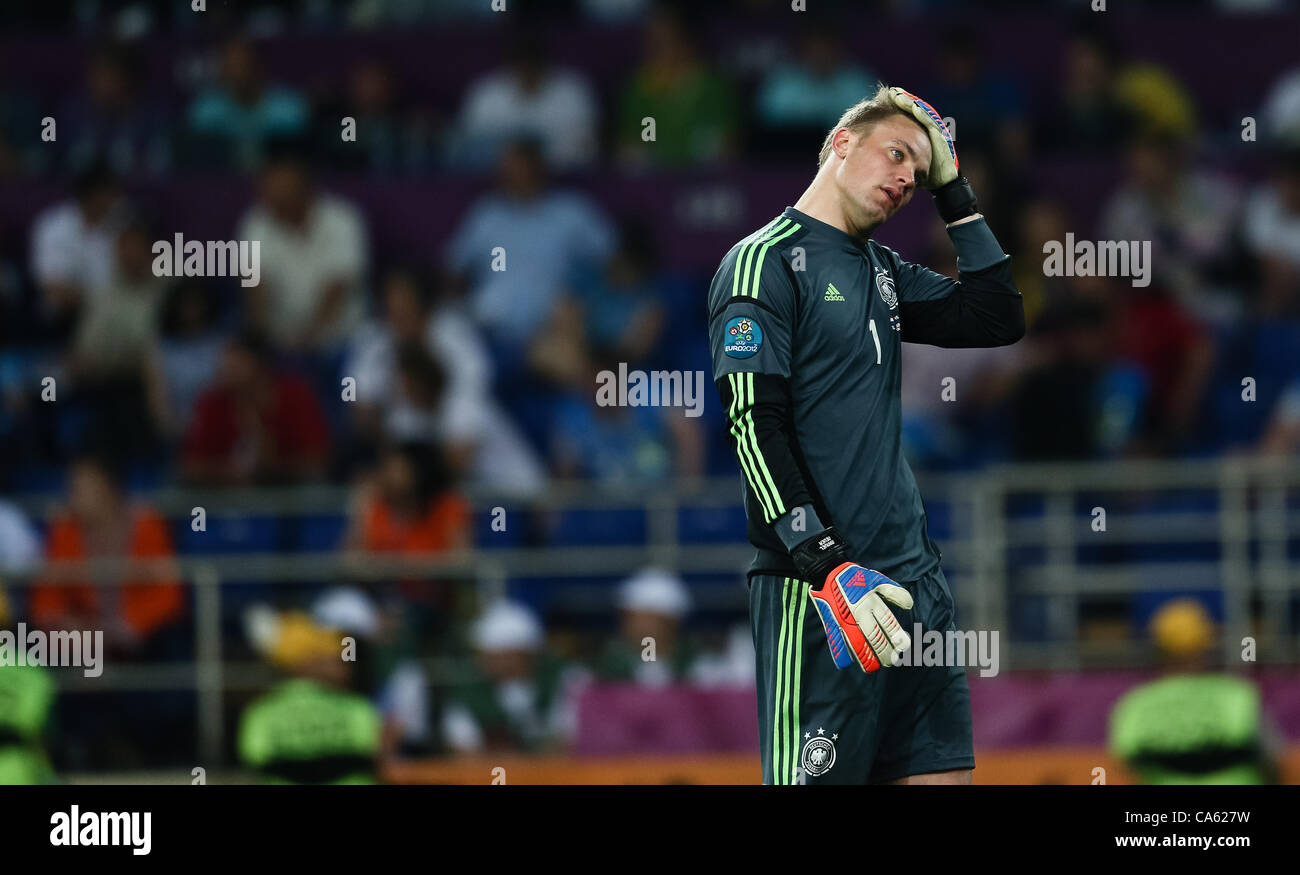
x,y
953,195
853,603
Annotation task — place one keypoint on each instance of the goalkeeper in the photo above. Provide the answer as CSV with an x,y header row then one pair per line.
x,y
806,321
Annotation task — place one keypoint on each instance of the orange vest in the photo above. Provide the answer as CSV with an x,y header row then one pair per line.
x,y
146,603
442,526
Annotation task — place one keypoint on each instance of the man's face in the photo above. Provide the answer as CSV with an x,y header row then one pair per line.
x,y
239,67
639,625
239,368
1288,189
881,170
284,189
1086,70
107,84
402,308
134,254
396,478
518,171
507,665
328,669
1151,167
98,204
90,493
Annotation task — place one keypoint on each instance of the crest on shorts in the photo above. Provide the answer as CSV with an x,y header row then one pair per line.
x,y
818,753
885,283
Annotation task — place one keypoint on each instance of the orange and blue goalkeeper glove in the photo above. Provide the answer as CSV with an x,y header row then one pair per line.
x,y
953,196
853,603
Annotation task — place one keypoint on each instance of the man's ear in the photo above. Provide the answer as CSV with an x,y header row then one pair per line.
x,y
840,142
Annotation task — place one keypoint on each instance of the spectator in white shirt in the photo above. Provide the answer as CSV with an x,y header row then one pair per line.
x,y
1282,435
73,244
543,235
190,349
529,97
520,697
113,363
20,543
117,334
313,259
1187,213
1281,111
480,441
1271,230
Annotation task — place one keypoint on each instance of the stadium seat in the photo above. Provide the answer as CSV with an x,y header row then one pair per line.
x,y
320,533
712,525
145,478
232,534
939,517
49,479
487,538
597,528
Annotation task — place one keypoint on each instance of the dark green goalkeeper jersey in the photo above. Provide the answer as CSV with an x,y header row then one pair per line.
x,y
806,325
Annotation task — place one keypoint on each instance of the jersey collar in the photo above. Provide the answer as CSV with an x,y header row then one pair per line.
x,y
830,232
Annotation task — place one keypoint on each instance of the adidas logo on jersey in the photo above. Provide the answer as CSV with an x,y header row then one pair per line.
x,y
832,293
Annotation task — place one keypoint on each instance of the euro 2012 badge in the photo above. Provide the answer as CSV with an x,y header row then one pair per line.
x,y
744,338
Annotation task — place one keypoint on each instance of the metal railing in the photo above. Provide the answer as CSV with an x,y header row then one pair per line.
x,y
1249,520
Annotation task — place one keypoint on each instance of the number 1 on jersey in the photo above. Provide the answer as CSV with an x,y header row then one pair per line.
x,y
876,337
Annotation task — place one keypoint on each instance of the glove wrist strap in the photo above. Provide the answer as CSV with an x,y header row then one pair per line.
x,y
819,556
955,200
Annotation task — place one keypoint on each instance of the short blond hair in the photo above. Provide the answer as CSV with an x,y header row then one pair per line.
x,y
862,117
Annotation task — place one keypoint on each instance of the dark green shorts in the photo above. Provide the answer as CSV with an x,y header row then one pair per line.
x,y
818,724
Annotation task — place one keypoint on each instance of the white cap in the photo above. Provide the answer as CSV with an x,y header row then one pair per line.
x,y
655,591
507,625
261,626
347,609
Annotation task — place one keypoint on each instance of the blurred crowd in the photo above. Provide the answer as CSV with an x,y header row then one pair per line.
x,y
486,349
418,380
140,16
525,692
353,688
